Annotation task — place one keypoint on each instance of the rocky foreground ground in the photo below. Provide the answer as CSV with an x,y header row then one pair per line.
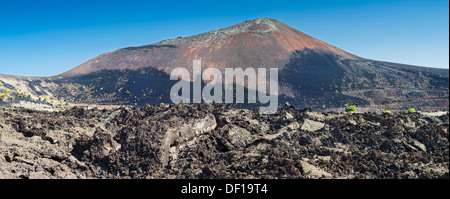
x,y
215,141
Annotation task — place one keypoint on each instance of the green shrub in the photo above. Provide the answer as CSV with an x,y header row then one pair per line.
x,y
350,109
11,97
387,112
411,110
16,90
3,96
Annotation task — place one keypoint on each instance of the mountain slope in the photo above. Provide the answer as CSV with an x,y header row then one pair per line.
x,y
321,80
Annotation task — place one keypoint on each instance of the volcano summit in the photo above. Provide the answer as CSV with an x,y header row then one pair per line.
x,y
256,43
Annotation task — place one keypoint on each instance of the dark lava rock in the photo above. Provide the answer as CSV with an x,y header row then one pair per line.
x,y
215,141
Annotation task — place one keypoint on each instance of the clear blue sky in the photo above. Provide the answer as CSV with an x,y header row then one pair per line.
x,y
42,38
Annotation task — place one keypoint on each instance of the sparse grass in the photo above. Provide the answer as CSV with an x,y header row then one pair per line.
x,y
22,94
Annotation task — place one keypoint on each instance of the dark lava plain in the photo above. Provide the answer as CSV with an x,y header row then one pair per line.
x,y
216,141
